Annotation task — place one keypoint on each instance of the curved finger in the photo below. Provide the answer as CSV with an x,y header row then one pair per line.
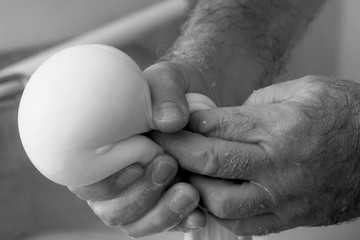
x,y
168,82
227,199
111,186
140,196
168,86
212,156
176,204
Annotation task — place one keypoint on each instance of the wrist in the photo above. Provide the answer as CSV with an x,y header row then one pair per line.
x,y
213,43
240,45
228,79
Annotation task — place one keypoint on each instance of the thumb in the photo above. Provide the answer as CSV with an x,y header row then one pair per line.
x,y
168,85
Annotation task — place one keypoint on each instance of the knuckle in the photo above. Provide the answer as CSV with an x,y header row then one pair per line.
x,y
208,157
316,85
291,122
256,97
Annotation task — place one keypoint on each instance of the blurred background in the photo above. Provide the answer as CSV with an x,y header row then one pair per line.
x,y
33,208
34,22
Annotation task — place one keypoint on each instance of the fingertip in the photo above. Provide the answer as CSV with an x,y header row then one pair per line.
x,y
164,170
198,122
184,198
170,115
170,108
205,122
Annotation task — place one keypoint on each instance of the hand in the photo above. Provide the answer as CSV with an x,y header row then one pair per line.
x,y
137,201
143,204
288,157
168,82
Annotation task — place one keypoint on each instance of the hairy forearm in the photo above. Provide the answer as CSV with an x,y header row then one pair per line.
x,y
240,45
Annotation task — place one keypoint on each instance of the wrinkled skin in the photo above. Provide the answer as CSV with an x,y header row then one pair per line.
x,y
294,144
287,157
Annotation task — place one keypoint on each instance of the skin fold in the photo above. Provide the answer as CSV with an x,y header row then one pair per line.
x,y
283,156
296,146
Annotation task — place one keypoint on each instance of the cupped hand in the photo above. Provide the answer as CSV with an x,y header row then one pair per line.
x,y
288,157
143,200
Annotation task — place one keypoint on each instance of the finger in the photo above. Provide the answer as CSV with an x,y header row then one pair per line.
x,y
226,199
268,127
140,196
213,156
195,221
174,207
111,186
247,124
168,86
263,224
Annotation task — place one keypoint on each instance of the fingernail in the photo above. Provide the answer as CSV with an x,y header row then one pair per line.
x,y
129,176
180,201
163,171
169,110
